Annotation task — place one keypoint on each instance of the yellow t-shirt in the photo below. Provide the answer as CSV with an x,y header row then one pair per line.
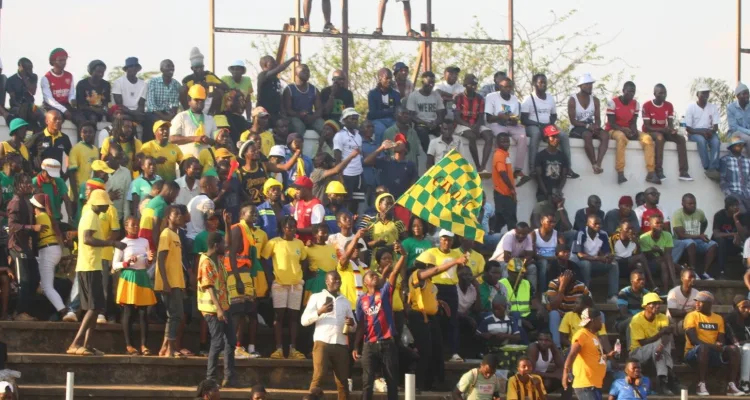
x,y
266,141
108,221
449,277
322,257
171,152
127,148
169,241
518,390
287,255
261,238
89,257
570,325
641,328
207,162
590,365
708,327
422,299
79,160
476,263
48,237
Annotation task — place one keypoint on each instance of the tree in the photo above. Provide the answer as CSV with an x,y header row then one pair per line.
x,y
721,95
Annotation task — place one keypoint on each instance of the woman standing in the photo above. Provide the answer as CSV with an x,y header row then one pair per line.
x,y
134,291
50,251
416,243
321,258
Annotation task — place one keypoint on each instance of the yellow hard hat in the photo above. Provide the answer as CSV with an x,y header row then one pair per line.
x,y
159,124
270,182
335,187
197,92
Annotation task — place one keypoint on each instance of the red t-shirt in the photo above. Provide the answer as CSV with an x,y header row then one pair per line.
x,y
624,114
470,108
644,214
658,115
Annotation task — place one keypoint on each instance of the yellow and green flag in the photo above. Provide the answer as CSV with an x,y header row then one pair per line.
x,y
449,196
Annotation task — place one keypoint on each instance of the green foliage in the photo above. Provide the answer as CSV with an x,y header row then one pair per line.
x,y
721,95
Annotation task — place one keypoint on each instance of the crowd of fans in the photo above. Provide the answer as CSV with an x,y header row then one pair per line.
x,y
197,203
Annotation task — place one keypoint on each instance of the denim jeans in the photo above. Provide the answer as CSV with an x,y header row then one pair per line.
x,y
222,338
380,356
173,303
709,160
679,247
535,136
589,393
555,317
380,126
612,270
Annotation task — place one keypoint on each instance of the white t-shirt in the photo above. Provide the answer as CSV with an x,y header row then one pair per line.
x,y
347,142
426,107
131,93
509,243
466,300
675,299
439,148
545,108
746,249
199,208
186,194
622,251
495,104
702,118
135,247
340,241
182,125
453,89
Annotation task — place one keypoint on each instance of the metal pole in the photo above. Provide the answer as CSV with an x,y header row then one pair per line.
x,y
345,38
510,37
410,387
297,40
738,71
69,386
427,58
212,37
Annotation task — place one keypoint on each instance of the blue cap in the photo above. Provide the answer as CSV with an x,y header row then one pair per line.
x,y
399,66
132,62
735,140
17,123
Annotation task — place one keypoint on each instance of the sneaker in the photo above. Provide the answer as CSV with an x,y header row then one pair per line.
x,y
278,354
733,391
329,28
23,317
484,174
664,386
701,389
686,177
254,354
652,178
713,175
612,300
70,317
296,355
573,175
456,358
100,319
745,386
660,175
241,354
304,28
706,277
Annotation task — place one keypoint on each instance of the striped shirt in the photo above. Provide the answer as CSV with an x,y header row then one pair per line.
x,y
375,311
735,175
470,108
573,292
161,97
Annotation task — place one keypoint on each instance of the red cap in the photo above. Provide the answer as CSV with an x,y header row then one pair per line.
x,y
303,182
551,130
399,138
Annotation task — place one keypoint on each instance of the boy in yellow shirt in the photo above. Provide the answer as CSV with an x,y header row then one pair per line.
x,y
587,360
166,155
170,280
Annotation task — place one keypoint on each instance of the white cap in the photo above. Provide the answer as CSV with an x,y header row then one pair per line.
x,y
703,87
277,151
348,112
445,232
585,78
237,63
5,385
52,167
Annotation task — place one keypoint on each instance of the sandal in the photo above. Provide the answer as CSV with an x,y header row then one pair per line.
x,y
145,351
132,351
96,351
177,354
79,351
187,353
413,34
378,32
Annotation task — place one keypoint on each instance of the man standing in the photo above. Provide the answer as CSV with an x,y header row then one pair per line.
x,y
622,125
592,254
427,109
552,167
336,98
504,116
504,184
129,92
58,92
586,359
382,102
21,227
191,129
470,122
162,97
91,241
330,311
689,225
738,114
585,117
309,210
81,158
702,124
346,141
167,155
658,121
50,182
271,211
734,168
328,27
302,103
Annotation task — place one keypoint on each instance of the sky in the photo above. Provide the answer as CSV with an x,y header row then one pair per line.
x,y
665,41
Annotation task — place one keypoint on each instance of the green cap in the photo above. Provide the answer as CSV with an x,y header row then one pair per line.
x,y
17,123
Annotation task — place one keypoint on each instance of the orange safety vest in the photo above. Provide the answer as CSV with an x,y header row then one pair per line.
x,y
243,257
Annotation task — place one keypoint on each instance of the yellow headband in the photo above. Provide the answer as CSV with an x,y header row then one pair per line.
x,y
381,197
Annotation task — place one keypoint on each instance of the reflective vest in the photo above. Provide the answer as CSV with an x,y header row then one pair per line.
x,y
205,304
519,301
243,256
330,220
267,220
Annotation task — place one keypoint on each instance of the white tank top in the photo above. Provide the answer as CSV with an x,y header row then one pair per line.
x,y
541,366
584,114
548,248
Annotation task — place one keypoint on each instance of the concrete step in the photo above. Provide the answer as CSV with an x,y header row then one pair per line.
x,y
723,290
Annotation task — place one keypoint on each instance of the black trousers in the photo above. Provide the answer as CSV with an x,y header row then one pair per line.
x,y
449,294
505,212
223,338
383,356
27,273
429,342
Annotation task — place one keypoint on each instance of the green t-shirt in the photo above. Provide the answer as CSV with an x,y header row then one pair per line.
x,y
664,242
159,205
482,389
414,247
7,183
56,200
142,187
200,243
691,223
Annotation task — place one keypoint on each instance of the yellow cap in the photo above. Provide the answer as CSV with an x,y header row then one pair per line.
x,y
650,298
516,265
270,182
221,121
197,92
222,153
159,124
99,165
426,257
335,187
99,198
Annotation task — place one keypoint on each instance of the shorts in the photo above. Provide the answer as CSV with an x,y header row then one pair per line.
x,y
247,280
577,132
91,290
714,357
247,307
460,129
287,296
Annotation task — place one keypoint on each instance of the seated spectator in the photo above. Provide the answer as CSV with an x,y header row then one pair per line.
x,y
480,382
401,82
21,89
260,126
237,80
632,386
192,129
554,205
585,118
382,102
336,98
542,353
426,109
517,243
470,122
443,144
504,185
551,166
546,241
504,116
396,173
649,208
624,212
705,338
571,324
728,231
652,340
702,124
302,103
499,328
92,95
524,384
738,334
523,299
269,85
58,92
129,91
681,299
449,88
689,226
622,125
404,127
737,114
592,253
625,245
495,85
491,286
735,173
640,199
476,260
562,294
630,301
658,122
537,112
212,84
232,118
658,247
468,298
594,207
162,97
